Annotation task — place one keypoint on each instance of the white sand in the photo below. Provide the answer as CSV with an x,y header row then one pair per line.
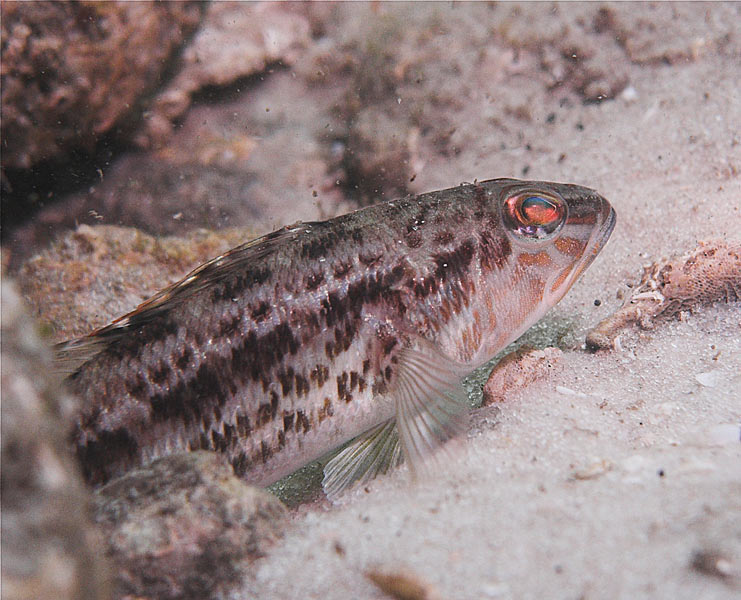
x,y
506,518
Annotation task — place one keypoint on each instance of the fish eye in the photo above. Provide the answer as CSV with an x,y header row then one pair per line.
x,y
534,215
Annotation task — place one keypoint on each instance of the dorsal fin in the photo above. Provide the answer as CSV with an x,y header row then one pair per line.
x,y
70,355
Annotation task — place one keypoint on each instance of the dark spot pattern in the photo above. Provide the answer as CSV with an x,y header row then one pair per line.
x,y
288,420
229,325
423,287
455,262
319,375
341,269
316,248
286,376
325,410
389,343
378,386
343,393
265,451
413,239
494,251
244,428
94,454
235,285
370,259
184,401
267,411
302,422
235,358
302,385
260,311
240,464
136,389
218,441
185,359
230,434
159,374
444,237
314,280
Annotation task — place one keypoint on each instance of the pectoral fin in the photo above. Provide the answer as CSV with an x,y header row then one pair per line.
x,y
431,408
431,403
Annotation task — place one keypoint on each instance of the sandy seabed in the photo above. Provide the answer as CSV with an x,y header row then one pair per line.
x,y
620,475
611,478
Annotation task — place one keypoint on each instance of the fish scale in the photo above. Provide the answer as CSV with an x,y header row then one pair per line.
x,y
358,327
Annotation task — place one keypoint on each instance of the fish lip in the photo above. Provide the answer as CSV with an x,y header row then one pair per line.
x,y
607,227
601,237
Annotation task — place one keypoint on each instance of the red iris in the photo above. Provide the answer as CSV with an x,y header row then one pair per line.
x,y
539,211
534,215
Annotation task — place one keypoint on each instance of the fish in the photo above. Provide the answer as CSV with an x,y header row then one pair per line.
x,y
352,333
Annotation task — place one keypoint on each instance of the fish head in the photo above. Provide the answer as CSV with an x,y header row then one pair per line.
x,y
548,234
555,231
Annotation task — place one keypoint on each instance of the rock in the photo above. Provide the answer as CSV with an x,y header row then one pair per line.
x,y
519,369
49,547
95,274
673,286
236,40
186,527
147,193
402,585
74,70
581,55
655,33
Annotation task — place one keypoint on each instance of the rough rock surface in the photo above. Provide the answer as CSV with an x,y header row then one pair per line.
x,y
235,41
623,467
519,369
185,527
72,71
95,274
673,287
49,547
303,111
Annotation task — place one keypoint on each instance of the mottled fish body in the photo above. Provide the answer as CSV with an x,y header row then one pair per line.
x,y
358,327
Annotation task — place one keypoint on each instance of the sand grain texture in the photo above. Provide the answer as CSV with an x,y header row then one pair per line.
x,y
608,478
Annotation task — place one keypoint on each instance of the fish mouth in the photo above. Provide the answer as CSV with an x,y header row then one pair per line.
x,y
599,238
607,226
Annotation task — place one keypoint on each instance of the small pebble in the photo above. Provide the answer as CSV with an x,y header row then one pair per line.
x,y
629,94
594,470
402,585
725,433
518,370
710,378
569,392
714,563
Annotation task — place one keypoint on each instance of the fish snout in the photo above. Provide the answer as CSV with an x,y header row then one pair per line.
x,y
608,220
